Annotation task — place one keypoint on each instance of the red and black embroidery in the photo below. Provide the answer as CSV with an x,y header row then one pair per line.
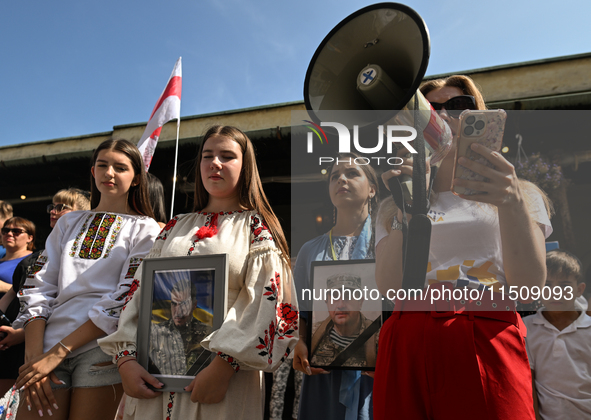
x,y
33,319
169,405
266,344
135,284
124,353
259,230
36,267
273,291
134,264
284,324
288,320
286,355
233,362
208,230
94,242
166,229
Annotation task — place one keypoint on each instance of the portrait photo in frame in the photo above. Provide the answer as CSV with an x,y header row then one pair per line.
x,y
343,333
183,300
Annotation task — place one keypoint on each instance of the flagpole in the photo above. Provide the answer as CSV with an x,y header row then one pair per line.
x,y
176,158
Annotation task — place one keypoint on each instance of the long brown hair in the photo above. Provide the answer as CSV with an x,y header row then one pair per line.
x,y
137,197
250,187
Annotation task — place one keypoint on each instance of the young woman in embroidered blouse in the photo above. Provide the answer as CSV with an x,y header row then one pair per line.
x,y
232,216
353,191
455,361
77,290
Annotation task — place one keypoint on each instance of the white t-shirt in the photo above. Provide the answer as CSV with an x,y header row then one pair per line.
x,y
562,364
466,241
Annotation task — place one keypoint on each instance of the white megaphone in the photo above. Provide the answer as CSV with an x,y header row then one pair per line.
x,y
375,59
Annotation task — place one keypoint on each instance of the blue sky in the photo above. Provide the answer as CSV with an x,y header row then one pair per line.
x,y
70,67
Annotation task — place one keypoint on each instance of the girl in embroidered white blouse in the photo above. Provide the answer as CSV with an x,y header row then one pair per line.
x,y
77,290
232,215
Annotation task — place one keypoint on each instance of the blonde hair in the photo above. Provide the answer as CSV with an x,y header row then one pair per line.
x,y
73,197
5,210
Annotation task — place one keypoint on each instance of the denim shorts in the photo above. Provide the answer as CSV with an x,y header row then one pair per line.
x,y
81,371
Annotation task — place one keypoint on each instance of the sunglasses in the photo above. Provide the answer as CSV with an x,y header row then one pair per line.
x,y
456,105
58,208
15,231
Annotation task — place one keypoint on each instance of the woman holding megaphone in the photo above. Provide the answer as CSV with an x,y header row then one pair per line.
x,y
461,358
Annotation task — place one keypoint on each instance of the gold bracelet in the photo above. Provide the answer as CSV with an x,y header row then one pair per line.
x,y
64,346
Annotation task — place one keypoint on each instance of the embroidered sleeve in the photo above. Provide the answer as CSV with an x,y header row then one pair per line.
x,y
41,285
105,313
262,326
122,342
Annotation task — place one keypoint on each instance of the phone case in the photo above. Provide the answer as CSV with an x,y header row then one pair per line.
x,y
482,126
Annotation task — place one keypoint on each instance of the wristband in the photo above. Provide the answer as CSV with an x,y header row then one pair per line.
x,y
125,361
64,346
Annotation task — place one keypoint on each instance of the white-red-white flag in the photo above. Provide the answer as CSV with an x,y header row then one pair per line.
x,y
167,108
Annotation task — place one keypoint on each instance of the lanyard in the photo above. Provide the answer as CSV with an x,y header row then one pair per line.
x,y
334,255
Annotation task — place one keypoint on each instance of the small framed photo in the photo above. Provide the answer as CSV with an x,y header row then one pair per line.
x,y
346,317
183,300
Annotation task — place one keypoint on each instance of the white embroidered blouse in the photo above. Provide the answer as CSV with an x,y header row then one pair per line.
x,y
261,326
85,273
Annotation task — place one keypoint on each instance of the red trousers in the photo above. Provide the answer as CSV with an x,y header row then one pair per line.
x,y
434,366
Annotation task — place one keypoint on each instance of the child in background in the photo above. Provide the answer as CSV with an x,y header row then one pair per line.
x,y
559,343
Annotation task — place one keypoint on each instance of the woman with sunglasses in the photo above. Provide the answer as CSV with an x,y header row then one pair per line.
x,y
64,201
453,361
77,289
18,235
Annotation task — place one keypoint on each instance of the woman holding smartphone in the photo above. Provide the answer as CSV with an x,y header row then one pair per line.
x,y
451,361
76,291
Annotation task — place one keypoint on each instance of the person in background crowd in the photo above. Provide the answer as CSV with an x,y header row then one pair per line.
x,y
18,235
156,193
559,343
64,201
5,214
79,288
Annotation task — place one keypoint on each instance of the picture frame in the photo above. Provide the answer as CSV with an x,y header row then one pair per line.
x,y
343,334
183,300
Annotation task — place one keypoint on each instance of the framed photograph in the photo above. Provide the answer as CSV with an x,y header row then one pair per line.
x,y
183,300
346,317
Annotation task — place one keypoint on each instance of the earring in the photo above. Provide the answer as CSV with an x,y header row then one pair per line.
x,y
369,205
334,216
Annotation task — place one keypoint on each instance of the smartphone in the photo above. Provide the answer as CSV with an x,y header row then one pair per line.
x,y
485,127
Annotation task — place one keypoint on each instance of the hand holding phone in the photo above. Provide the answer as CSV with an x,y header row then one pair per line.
x,y
485,127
